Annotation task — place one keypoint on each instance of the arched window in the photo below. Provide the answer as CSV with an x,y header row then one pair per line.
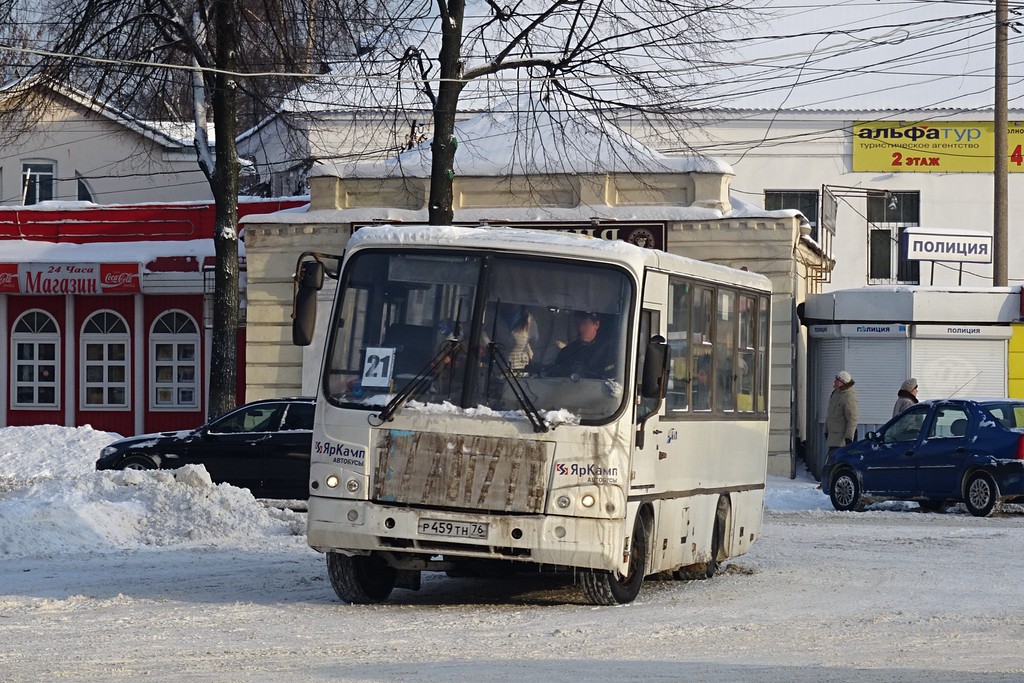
x,y
174,369
105,361
35,363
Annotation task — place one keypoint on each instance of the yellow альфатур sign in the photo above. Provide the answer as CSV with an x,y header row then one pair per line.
x,y
932,146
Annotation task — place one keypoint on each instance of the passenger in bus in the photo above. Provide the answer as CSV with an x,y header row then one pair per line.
x,y
589,355
702,383
520,352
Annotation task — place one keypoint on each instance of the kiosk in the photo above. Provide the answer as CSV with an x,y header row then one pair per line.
x,y
953,340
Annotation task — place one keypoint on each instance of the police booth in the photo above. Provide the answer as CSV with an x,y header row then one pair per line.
x,y
954,341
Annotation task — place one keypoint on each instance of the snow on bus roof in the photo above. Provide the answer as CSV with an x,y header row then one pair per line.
x,y
569,243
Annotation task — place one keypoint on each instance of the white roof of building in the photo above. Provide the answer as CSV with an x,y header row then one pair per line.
x,y
26,251
914,303
526,137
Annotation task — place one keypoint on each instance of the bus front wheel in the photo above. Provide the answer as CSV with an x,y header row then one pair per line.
x,y
360,579
608,588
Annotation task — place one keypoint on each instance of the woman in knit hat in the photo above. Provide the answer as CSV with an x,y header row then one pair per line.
x,y
841,414
907,396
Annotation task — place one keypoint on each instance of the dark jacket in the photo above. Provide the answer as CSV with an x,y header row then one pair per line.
x,y
595,359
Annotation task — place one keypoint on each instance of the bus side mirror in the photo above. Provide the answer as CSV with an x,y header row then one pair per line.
x,y
655,374
309,279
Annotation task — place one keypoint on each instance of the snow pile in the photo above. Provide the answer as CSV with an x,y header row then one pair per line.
x,y
56,503
44,451
52,501
795,495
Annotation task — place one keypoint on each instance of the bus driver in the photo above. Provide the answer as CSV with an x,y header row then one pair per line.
x,y
589,355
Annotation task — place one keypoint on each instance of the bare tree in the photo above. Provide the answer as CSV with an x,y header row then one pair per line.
x,y
602,57
209,62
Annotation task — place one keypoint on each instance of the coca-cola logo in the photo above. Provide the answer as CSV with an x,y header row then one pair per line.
x,y
8,279
118,279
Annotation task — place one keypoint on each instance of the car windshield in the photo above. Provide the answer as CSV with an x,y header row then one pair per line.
x,y
449,327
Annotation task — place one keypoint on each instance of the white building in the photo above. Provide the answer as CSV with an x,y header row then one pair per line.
x,y
936,174
76,148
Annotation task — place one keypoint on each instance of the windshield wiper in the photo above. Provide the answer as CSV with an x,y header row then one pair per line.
x,y
532,414
449,351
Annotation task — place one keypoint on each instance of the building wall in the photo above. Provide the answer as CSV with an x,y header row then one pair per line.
x,y
1016,362
70,314
160,247
805,150
275,365
118,164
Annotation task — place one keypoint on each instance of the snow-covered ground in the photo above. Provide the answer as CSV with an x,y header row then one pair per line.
x,y
125,575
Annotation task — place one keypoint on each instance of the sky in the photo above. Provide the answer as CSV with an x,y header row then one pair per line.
x,y
802,54
866,54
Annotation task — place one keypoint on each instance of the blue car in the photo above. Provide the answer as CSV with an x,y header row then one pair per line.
x,y
936,453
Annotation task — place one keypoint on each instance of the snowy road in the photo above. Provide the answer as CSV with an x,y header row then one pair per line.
x,y
823,596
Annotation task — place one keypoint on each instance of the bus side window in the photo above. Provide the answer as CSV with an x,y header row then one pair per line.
x,y
678,395
649,324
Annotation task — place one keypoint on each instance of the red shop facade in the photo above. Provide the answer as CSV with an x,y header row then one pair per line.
x,y
104,314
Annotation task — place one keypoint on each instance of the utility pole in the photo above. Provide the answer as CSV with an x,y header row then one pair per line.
x,y
1000,217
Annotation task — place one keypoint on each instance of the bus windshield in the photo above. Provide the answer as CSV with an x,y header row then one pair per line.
x,y
462,329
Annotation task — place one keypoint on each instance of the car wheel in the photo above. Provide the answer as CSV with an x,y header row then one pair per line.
x,y
360,579
980,494
844,490
608,588
137,462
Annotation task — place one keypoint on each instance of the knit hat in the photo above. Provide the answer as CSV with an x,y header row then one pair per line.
x,y
909,385
844,377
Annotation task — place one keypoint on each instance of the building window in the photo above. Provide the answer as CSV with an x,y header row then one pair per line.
x,y
105,342
805,201
888,216
84,193
35,340
174,370
37,180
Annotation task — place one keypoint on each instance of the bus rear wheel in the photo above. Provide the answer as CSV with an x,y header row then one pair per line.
x,y
608,588
706,570
360,579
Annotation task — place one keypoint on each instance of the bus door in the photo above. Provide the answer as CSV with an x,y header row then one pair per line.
x,y
650,431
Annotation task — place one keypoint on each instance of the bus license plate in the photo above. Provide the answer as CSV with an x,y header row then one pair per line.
x,y
437,527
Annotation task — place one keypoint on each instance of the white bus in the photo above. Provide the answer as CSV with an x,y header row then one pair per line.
x,y
508,398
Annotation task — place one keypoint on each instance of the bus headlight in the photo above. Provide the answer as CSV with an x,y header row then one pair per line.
x,y
352,485
588,500
332,481
563,501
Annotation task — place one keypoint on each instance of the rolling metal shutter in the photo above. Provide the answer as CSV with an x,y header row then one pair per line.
x,y
879,367
964,368
830,358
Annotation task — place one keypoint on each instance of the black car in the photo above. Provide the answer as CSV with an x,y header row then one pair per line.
x,y
263,446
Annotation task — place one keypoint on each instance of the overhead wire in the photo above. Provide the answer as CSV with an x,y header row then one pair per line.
x,y
811,64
